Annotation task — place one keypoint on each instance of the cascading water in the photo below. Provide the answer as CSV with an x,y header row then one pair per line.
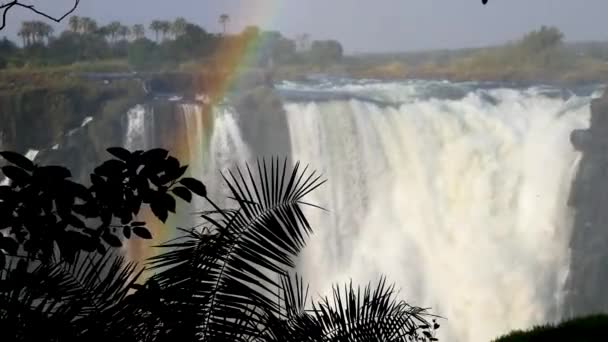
x,y
207,144
213,149
462,203
140,128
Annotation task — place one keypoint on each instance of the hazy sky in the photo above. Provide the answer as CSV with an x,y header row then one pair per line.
x,y
363,26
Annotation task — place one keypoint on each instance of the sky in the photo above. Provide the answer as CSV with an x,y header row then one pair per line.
x,y
360,25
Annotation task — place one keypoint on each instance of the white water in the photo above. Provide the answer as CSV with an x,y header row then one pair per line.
x,y
140,128
224,148
461,203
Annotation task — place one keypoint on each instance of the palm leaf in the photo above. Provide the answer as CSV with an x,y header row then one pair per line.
x,y
351,314
233,268
374,314
67,297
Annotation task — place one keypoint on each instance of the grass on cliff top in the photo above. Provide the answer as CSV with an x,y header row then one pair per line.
x,y
585,329
42,77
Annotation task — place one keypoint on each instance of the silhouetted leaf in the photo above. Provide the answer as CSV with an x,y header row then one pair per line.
x,y
22,265
18,159
138,223
180,172
171,165
142,232
155,155
111,168
195,186
157,180
16,174
85,210
98,181
77,189
101,249
183,193
126,230
54,171
79,240
9,245
126,218
159,210
120,153
112,240
169,202
5,191
75,222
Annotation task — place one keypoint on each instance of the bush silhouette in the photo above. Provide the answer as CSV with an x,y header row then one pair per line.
x,y
63,277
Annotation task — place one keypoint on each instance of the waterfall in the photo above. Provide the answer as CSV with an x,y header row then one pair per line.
x,y
456,193
462,203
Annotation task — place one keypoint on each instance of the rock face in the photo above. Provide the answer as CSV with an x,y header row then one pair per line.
x,y
586,287
263,123
38,116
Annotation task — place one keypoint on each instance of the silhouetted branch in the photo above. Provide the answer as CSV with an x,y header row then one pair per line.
x,y
7,7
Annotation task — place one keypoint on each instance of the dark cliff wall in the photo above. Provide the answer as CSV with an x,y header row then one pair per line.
x,y
587,287
38,116
263,123
41,116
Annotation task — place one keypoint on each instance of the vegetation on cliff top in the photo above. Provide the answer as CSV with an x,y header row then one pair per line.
x,y
174,42
173,45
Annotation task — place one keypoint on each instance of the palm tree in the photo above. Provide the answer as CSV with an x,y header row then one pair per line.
x,y
124,31
25,32
139,31
113,29
46,31
88,25
156,26
74,23
224,19
179,26
165,27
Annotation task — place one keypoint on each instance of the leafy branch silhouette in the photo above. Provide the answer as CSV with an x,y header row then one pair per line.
x,y
6,7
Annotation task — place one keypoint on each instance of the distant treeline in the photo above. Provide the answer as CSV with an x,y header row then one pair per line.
x,y
541,54
159,44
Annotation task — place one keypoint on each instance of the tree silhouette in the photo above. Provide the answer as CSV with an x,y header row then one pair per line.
x,y
223,20
156,26
74,23
139,31
178,27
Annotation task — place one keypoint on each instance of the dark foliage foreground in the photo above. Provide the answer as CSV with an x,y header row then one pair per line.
x,y
585,329
62,277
